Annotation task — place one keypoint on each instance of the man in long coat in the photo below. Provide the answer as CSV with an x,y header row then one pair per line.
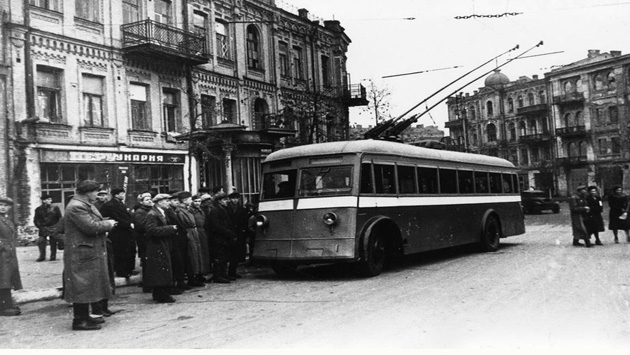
x,y
122,236
9,269
200,221
220,228
186,220
159,249
46,217
579,209
85,274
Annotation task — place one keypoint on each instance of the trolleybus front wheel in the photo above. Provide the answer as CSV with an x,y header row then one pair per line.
x,y
375,255
491,235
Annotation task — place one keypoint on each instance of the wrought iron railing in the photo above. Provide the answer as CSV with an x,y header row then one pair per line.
x,y
169,37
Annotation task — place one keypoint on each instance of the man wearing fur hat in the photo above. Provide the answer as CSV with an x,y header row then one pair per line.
x,y
9,270
121,236
46,217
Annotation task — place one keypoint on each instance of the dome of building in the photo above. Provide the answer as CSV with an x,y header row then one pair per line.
x,y
496,78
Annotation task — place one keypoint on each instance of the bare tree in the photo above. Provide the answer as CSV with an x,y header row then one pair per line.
x,y
379,105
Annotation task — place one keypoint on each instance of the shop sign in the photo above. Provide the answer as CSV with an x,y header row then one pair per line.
x,y
106,157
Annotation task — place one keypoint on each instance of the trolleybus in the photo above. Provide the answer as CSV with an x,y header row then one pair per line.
x,y
368,200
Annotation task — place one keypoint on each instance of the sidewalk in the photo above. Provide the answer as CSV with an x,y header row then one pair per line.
x,y
41,281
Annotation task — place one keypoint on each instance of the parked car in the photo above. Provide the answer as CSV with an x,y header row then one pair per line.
x,y
536,201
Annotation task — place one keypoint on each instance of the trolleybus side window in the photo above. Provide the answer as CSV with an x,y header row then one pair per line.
x,y
407,180
326,181
428,180
507,183
465,179
385,179
495,183
279,185
515,186
481,182
448,181
366,179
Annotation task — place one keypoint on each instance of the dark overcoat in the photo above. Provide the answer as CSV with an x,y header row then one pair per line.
x,y
594,222
139,222
618,205
160,233
186,220
578,205
46,217
220,228
85,272
200,221
9,269
122,236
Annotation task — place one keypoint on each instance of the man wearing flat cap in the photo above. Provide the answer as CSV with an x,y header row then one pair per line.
x,y
579,210
46,217
101,198
123,240
9,270
85,277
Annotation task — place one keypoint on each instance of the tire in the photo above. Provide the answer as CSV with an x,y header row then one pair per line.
x,y
284,269
375,255
491,235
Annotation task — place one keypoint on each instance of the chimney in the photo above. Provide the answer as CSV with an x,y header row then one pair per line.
x,y
475,92
615,53
303,13
467,94
333,25
535,76
593,53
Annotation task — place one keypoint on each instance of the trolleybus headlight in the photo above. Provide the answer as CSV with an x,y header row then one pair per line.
x,y
330,219
261,221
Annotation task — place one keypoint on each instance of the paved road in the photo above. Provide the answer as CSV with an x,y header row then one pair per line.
x,y
537,291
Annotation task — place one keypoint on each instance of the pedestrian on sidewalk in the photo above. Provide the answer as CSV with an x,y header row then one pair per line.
x,y
86,279
594,222
46,217
122,236
145,204
618,216
579,209
9,269
220,228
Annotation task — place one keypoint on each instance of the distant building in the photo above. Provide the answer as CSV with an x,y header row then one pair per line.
x,y
162,95
413,134
566,129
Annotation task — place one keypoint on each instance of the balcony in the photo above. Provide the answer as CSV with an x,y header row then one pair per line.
x,y
539,109
273,124
573,97
573,161
356,95
153,39
536,138
569,132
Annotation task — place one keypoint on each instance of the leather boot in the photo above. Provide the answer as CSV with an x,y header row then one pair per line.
x,y
81,319
53,250
588,243
597,241
41,244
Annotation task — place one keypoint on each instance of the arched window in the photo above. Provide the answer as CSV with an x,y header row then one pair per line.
x,y
491,130
510,105
489,109
512,129
542,98
522,129
612,84
472,112
567,119
253,48
261,109
582,149
599,82
533,127
530,99
568,87
520,101
579,119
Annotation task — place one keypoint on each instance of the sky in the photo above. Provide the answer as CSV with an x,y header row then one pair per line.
x,y
386,42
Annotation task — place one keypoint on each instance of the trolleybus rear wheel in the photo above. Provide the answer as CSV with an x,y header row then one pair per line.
x,y
375,255
491,235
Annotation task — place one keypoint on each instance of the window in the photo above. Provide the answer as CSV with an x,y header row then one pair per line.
x,y
513,156
533,127
512,129
542,98
466,183
93,101
253,48
326,71
615,145
48,94
495,183
170,106
279,185
524,157
229,110
366,179
507,183
88,10
407,179
283,58
472,113
568,87
163,12
612,84
428,180
384,177
326,181
46,4
520,101
579,119
522,128
489,108
200,27
602,144
208,106
139,116
535,154
491,130
298,70
530,99
131,11
448,181
599,82
510,105
600,116
613,114
223,42
481,182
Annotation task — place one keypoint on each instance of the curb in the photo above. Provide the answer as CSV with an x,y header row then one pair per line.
x,y
24,296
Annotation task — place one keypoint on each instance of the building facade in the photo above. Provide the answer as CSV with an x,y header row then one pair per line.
x,y
567,129
162,95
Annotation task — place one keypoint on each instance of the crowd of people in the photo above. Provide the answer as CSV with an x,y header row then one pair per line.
x,y
586,215
183,241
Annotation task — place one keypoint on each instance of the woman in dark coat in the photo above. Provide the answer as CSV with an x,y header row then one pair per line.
x,y
122,235
594,222
85,274
618,203
160,233
9,269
